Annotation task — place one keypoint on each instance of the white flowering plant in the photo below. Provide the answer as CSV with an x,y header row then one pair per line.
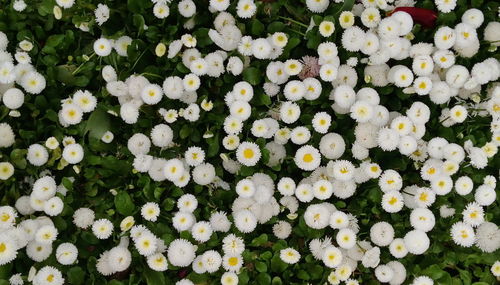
x,y
249,142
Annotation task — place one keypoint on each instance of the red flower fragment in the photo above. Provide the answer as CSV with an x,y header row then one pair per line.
x,y
425,17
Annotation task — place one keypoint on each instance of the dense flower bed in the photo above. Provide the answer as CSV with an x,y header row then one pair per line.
x,y
249,142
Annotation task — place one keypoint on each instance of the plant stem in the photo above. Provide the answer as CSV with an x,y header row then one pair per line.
x,y
151,74
137,60
294,21
80,66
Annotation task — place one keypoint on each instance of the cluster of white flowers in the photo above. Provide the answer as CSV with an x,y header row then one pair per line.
x,y
334,167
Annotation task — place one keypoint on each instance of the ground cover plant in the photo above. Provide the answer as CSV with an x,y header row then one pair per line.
x,y
249,142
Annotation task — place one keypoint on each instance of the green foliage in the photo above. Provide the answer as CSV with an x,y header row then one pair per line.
x,y
63,53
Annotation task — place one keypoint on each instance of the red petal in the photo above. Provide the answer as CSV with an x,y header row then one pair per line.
x,y
424,17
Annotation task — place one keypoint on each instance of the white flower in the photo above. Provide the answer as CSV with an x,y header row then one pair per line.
x,y
346,238
6,170
73,153
201,231
19,5
307,158
101,14
66,253
37,154
463,234
157,262
384,273
150,211
282,229
229,278
13,98
146,244
346,19
317,216
446,6
49,274
187,8
103,47
392,201
417,242
9,249
65,3
152,94
161,10
248,153
211,261
473,214
83,217
289,255
422,280
102,228
332,257
382,233
33,82
119,258
397,248
46,234
261,48
245,221
246,8
488,237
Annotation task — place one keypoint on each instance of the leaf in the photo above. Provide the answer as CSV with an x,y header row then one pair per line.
x,y
76,275
98,123
262,99
54,40
17,158
67,183
260,266
260,240
213,145
477,3
256,27
302,274
154,277
252,75
137,6
202,38
124,204
275,27
6,270
263,279
185,131
64,74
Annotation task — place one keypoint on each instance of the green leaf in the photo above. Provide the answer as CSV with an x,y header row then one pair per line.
x,y
98,123
262,99
252,75
17,158
124,204
213,145
54,40
256,27
260,266
76,275
277,281
67,183
302,274
263,279
477,3
154,277
275,27
185,131
6,270
260,240
277,265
